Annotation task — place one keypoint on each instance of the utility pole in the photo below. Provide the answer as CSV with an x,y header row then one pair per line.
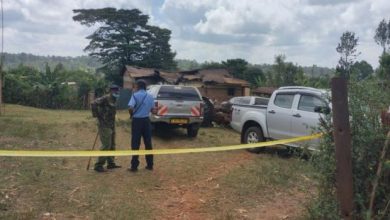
x,y
342,139
2,59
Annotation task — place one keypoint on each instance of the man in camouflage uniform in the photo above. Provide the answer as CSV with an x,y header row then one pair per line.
x,y
104,108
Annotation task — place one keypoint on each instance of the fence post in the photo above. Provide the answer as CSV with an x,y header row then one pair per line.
x,y
342,138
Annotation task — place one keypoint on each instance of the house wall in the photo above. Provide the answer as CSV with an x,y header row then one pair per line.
x,y
128,81
221,93
247,91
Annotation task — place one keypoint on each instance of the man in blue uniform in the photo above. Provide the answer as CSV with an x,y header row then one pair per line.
x,y
140,106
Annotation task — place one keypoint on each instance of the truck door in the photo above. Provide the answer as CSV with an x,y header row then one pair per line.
x,y
305,120
279,115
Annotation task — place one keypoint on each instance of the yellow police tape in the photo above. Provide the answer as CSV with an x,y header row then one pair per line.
x,y
90,153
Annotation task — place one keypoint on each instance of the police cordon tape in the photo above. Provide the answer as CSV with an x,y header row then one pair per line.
x,y
90,153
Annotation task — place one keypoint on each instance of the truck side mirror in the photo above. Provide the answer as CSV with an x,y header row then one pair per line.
x,y
322,109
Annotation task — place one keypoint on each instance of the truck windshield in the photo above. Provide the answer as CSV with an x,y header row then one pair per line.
x,y
178,92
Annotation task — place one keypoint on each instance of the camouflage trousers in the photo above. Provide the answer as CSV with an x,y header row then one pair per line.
x,y
107,138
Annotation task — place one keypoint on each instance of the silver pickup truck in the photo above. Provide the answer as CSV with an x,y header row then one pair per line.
x,y
177,106
291,112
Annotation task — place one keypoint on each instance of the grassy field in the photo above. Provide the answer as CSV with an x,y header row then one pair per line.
x,y
223,185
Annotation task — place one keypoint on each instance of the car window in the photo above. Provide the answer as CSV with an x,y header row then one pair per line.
x,y
242,101
178,92
261,101
308,103
284,100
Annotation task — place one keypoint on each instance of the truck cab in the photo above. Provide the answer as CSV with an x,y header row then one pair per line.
x,y
291,111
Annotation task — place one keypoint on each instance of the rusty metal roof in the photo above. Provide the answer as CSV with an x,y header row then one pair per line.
x,y
235,81
137,72
170,77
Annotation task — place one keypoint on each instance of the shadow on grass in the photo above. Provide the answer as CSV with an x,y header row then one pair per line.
x,y
283,152
170,133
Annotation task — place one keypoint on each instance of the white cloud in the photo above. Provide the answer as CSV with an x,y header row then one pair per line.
x,y
306,31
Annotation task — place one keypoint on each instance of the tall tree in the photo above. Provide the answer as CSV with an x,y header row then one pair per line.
x,y
236,67
348,53
382,33
362,69
384,68
123,37
254,75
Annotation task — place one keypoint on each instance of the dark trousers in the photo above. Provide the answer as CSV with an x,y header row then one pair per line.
x,y
141,127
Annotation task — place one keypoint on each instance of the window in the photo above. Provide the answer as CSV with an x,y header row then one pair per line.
x,y
242,101
308,103
178,92
284,100
231,91
261,101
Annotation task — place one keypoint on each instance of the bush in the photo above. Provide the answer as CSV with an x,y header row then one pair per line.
x,y
49,89
366,100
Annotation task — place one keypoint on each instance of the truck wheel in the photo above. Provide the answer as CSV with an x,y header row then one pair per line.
x,y
192,130
254,135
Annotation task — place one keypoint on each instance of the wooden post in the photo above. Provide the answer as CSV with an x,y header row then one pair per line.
x,y
342,138
1,89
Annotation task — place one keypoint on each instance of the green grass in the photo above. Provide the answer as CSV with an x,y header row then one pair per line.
x,y
212,184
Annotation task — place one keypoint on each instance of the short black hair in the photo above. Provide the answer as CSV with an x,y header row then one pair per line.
x,y
141,84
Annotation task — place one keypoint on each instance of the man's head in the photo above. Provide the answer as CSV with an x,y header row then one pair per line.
x,y
140,85
114,90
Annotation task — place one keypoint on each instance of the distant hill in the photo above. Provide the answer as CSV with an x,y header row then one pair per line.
x,y
90,63
313,71
39,62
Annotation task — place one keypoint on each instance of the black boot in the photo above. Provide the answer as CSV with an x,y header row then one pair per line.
x,y
113,166
99,169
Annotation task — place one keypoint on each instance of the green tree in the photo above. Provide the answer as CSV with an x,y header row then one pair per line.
x,y
362,70
382,34
384,68
212,65
348,53
123,37
254,75
236,67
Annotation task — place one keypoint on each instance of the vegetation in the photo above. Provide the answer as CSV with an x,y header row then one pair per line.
x,y
368,96
347,50
82,63
123,37
56,88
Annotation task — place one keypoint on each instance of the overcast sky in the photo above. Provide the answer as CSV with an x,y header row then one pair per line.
x,y
306,31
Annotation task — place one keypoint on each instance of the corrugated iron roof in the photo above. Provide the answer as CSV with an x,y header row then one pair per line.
x,y
169,76
235,81
192,77
219,76
138,72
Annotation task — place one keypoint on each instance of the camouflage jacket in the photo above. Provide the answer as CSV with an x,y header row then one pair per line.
x,y
106,110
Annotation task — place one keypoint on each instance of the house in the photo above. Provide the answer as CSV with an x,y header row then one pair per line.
x,y
150,76
216,84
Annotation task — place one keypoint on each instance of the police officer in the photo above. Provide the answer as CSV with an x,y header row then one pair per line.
x,y
104,108
140,105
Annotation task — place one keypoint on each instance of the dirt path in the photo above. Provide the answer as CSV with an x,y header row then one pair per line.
x,y
186,201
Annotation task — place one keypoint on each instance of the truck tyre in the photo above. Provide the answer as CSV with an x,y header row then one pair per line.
x,y
254,135
192,130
